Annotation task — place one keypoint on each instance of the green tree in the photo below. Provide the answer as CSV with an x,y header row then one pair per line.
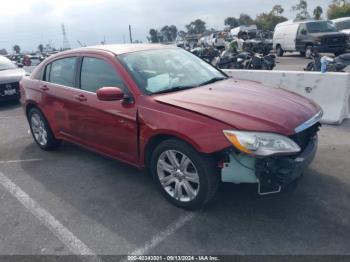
x,y
338,8
245,19
3,51
169,33
153,36
277,10
41,48
301,9
268,21
173,32
232,22
318,11
181,34
17,49
196,27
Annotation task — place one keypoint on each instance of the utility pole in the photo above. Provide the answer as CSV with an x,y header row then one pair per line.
x,y
130,34
65,44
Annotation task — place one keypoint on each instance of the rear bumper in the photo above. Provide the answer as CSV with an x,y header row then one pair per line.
x,y
9,98
4,88
272,174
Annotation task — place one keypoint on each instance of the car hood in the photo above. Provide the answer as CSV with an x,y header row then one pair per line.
x,y
245,105
327,34
11,75
346,31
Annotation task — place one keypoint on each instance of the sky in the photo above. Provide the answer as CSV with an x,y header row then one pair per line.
x,y
31,22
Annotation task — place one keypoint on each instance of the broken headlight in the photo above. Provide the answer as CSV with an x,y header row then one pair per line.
x,y
261,144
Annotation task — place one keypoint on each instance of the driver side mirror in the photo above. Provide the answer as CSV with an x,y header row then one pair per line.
x,y
20,65
110,94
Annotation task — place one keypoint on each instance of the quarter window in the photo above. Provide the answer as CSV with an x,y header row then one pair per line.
x,y
62,72
97,73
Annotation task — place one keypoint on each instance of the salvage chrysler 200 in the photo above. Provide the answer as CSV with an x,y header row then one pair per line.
x,y
164,109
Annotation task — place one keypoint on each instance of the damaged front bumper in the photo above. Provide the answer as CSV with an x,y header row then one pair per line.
x,y
272,174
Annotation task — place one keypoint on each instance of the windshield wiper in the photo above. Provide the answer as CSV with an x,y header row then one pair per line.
x,y
178,88
173,89
213,80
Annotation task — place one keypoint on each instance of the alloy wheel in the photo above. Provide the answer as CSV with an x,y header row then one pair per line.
x,y
39,129
178,175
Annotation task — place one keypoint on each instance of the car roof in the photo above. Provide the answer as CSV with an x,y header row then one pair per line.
x,y
341,19
119,49
4,59
293,22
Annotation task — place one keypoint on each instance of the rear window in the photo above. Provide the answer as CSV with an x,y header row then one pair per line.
x,y
61,72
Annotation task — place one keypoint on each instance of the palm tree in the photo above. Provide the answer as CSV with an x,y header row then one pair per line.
x,y
318,12
17,49
41,48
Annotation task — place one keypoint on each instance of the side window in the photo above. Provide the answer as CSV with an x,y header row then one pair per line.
x,y
96,73
302,30
46,75
62,71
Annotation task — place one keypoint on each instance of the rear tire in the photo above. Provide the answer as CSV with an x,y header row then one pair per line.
x,y
41,130
188,179
308,51
279,51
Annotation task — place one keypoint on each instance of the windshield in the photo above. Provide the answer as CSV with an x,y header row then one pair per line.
x,y
343,25
170,69
321,27
6,64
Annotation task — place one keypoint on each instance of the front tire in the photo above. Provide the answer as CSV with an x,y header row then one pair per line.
x,y
186,178
41,130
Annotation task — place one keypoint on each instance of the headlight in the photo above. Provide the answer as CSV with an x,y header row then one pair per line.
x,y
318,40
261,144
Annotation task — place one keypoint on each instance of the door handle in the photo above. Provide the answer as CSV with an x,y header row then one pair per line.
x,y
44,88
80,98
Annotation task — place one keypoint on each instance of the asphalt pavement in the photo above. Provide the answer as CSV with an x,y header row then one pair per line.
x,y
73,201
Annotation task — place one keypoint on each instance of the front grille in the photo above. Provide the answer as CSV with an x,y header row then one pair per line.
x,y
336,41
9,86
302,138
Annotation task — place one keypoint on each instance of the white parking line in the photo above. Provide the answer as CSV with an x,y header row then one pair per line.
x,y
67,237
160,237
4,117
20,160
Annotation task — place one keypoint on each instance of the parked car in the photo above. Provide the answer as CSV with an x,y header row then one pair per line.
x,y
10,75
261,42
164,109
303,36
343,25
216,39
249,30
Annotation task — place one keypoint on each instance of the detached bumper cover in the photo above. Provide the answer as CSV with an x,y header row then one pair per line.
x,y
280,171
273,173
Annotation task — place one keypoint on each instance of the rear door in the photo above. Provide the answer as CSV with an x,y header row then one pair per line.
x,y
58,88
107,126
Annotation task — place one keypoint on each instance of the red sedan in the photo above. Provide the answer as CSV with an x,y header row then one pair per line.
x,y
164,109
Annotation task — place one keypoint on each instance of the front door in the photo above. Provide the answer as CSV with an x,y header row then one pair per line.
x,y
107,126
